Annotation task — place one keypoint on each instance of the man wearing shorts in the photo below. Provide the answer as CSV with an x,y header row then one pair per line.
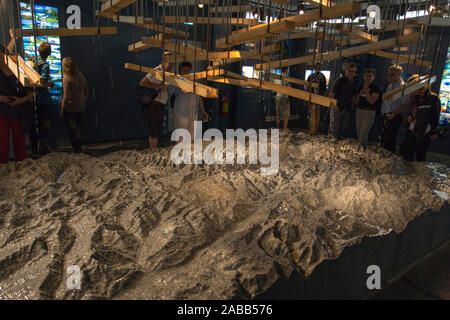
x,y
156,108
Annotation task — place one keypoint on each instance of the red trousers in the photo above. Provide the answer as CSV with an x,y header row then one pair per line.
x,y
18,139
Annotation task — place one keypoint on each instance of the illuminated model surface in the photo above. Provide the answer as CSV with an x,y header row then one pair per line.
x,y
141,228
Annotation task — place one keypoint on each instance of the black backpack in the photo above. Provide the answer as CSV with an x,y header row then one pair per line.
x,y
145,96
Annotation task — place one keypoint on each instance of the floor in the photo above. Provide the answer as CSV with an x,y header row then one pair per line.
x,y
428,279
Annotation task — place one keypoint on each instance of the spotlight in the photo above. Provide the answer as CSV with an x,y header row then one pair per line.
x,y
372,14
431,8
301,9
200,5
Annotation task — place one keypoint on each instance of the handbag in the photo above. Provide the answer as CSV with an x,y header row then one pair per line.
x,y
145,96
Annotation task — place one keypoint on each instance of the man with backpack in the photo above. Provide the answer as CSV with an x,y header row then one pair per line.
x,y
344,91
157,99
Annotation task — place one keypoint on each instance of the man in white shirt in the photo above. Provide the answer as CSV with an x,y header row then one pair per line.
x,y
391,111
283,109
156,108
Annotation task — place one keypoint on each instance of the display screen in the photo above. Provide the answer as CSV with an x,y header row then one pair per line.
x,y
46,18
444,92
326,73
250,72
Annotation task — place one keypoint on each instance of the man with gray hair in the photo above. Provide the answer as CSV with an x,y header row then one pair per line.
x,y
391,111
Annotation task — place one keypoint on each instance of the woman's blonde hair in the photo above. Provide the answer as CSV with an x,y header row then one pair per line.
x,y
69,66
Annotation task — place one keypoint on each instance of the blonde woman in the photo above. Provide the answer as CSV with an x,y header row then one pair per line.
x,y
73,102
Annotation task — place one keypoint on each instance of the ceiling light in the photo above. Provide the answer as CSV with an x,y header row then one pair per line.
x,y
301,9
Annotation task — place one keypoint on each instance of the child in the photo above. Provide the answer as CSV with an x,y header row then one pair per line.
x,y
43,102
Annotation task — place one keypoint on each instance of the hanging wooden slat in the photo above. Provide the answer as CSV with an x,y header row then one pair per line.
x,y
144,22
350,52
235,82
254,34
247,55
26,75
313,15
317,3
354,32
148,42
211,20
408,88
369,38
172,79
403,58
220,10
201,56
289,79
113,6
204,74
296,93
64,32
223,55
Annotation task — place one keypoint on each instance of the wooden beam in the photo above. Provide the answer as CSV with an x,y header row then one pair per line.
x,y
149,23
408,88
179,48
148,42
232,81
357,33
114,6
368,38
26,75
204,74
314,15
350,52
317,3
247,55
172,79
32,74
435,21
281,1
296,35
211,20
263,84
221,10
388,25
289,79
212,56
347,42
296,93
234,75
254,34
403,58
64,32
